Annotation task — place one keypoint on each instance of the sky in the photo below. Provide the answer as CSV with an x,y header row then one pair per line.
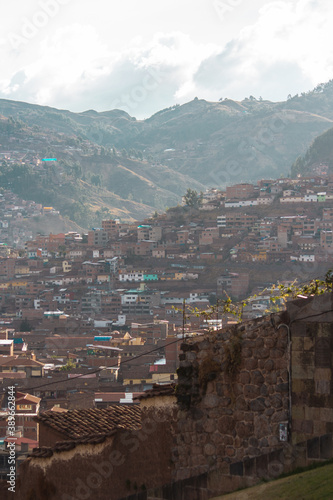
x,y
143,56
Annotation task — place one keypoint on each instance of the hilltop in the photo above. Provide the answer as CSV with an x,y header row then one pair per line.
x,y
112,163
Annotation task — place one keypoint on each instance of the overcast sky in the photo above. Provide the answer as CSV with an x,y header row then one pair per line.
x,y
142,56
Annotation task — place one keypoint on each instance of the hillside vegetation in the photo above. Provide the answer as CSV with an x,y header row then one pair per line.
x,y
316,484
111,163
320,153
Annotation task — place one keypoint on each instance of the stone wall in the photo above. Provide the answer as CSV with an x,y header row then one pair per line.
x,y
246,472
233,394
311,328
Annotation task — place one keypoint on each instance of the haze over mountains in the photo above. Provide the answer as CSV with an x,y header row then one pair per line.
x,y
111,163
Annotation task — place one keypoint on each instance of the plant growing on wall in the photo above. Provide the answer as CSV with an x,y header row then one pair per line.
x,y
232,355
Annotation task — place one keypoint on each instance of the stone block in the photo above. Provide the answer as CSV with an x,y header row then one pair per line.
x,y
230,451
263,443
238,442
269,365
249,467
251,391
262,353
308,344
209,425
196,413
275,468
313,448
323,374
257,405
284,376
319,428
249,416
262,427
276,353
311,413
282,343
237,389
270,342
318,401
283,388
195,450
211,401
253,452
263,390
244,377
297,385
271,378
244,429
323,386
297,344
298,329
326,446
226,424
253,442
280,416
281,364
299,372
257,377
251,344
326,414
250,364
273,441
262,466
241,404
218,438
259,342
325,330
261,364
191,356
239,415
199,427
275,401
246,352
298,412
237,469
209,449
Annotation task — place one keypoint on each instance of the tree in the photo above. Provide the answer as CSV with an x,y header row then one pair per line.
x,y
96,180
192,198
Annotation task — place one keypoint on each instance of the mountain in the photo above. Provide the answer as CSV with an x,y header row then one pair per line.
x,y
111,163
87,182
319,156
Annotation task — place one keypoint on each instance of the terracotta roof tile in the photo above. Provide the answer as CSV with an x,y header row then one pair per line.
x,y
158,390
78,424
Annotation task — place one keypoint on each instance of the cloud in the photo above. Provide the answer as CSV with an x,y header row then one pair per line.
x,y
286,50
140,80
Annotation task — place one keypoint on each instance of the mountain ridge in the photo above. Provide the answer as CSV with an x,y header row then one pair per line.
x,y
146,165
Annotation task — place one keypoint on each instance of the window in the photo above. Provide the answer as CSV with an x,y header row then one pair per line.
x,y
24,407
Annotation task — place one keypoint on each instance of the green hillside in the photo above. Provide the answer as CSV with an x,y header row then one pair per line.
x,y
319,153
315,484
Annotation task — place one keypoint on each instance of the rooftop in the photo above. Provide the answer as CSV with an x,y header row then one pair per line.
x,y
76,424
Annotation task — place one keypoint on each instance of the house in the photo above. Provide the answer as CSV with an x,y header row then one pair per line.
x,y
79,424
15,364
